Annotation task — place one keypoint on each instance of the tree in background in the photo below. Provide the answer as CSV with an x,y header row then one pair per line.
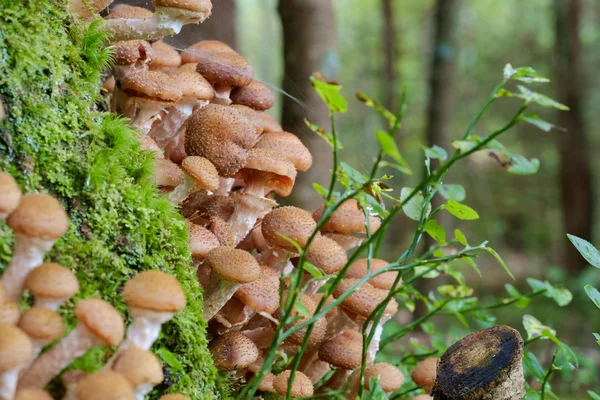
x,y
310,45
220,26
389,54
576,184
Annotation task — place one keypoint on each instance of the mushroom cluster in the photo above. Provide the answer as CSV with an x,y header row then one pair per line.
x,y
33,346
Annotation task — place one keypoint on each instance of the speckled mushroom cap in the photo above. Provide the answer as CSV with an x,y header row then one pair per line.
x,y
390,377
252,116
32,394
301,387
192,84
128,52
269,123
359,268
9,313
174,397
222,135
53,281
203,171
221,230
256,95
154,291
266,383
138,366
319,329
326,255
217,206
104,385
195,52
233,350
224,67
347,242
343,350
261,294
281,172
15,348
101,319
39,216
10,193
292,222
42,323
422,397
167,173
364,300
164,56
289,146
200,6
152,85
127,11
425,373
233,264
201,240
347,219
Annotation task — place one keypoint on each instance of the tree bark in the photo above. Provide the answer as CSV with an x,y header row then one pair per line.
x,y
389,55
220,26
576,183
310,45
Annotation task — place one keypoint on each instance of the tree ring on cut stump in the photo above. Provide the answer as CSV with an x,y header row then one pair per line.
x,y
483,365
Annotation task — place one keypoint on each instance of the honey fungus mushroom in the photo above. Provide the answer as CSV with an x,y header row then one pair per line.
x,y
390,377
301,387
32,394
15,351
425,372
42,326
348,219
233,351
256,95
360,267
10,195
104,385
289,146
141,368
51,285
166,58
292,222
200,176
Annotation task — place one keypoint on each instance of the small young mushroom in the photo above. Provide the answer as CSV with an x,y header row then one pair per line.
x,y
301,387
32,394
347,242
348,219
10,195
51,285
153,298
167,174
200,209
292,222
37,222
195,52
15,351
131,56
326,255
99,324
200,175
359,269
230,269
425,372
9,312
390,377
166,58
221,230
266,383
269,123
233,351
261,295
343,351
104,385
141,368
42,326
256,95
319,328
289,146
201,242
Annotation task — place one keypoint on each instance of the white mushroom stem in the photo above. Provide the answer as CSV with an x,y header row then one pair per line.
x,y
171,124
248,207
165,22
338,323
225,185
38,345
374,345
50,363
218,292
222,93
50,303
185,189
273,257
29,253
8,383
148,112
145,328
339,378
142,390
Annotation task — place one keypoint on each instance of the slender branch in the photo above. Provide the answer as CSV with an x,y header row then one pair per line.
x,y
550,370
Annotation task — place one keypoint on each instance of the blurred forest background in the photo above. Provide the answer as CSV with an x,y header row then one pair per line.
x,y
450,54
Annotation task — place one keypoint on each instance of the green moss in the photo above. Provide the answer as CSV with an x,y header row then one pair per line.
x,y
54,141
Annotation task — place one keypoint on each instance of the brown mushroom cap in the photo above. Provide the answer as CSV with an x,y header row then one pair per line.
x,y
101,319
128,52
41,323
167,173
138,366
348,218
164,56
280,173
289,146
252,116
222,135
129,12
221,230
425,373
104,385
196,51
192,84
256,95
326,255
301,387
200,6
224,67
319,329
154,291
266,383
269,123
84,11
32,394
201,240
209,206
233,264
364,300
15,348
9,313
293,222
40,216
343,350
233,350
390,377
152,85
10,193
51,280
359,268
261,294
202,171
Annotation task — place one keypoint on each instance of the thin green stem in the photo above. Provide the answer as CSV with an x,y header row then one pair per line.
x,y
550,371
335,158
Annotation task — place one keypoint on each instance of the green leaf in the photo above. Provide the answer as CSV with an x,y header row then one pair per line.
x,y
500,260
523,74
369,102
352,174
319,189
534,327
454,291
460,237
302,310
170,359
460,210
597,337
536,284
570,355
330,94
514,293
375,392
414,206
313,270
472,264
562,296
388,146
585,248
594,395
534,120
435,152
453,192
520,165
328,137
436,231
593,294
532,97
429,275
464,145
533,366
